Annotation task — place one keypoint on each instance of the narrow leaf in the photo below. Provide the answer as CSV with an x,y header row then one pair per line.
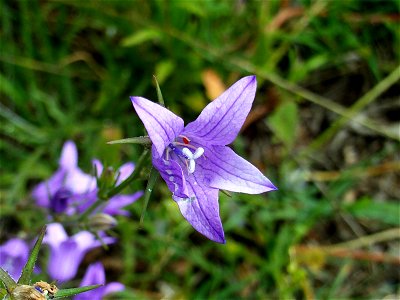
x,y
142,140
74,291
30,264
149,188
9,283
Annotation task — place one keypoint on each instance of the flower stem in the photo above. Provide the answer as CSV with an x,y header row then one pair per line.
x,y
149,188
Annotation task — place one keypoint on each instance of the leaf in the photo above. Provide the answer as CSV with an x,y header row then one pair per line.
x,y
9,283
30,264
284,122
140,37
385,212
142,140
74,291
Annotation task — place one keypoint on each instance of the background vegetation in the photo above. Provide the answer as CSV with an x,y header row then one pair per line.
x,y
324,128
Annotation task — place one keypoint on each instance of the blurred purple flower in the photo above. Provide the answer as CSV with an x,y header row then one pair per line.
x,y
70,190
13,256
95,275
66,253
194,160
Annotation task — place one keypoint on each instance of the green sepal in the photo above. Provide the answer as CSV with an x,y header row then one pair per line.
x,y
7,280
159,94
74,291
149,188
142,140
30,264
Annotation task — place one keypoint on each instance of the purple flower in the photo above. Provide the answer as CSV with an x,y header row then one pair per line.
x,y
194,160
95,275
66,253
70,190
13,256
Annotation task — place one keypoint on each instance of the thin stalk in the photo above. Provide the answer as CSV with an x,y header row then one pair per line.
x,y
147,193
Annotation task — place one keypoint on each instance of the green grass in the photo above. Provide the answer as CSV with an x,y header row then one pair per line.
x,y
325,134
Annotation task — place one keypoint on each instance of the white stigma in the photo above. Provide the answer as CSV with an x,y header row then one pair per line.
x,y
191,157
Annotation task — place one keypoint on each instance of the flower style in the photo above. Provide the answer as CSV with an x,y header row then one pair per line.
x,y
13,256
66,253
95,275
70,190
194,160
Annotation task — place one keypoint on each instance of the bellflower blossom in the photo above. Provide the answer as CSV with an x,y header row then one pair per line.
x,y
70,190
66,253
195,162
13,256
95,275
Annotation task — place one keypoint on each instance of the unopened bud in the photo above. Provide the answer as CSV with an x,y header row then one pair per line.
x,y
101,221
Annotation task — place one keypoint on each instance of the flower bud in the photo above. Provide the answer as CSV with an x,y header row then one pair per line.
x,y
101,221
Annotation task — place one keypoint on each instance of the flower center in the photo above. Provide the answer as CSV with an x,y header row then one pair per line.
x,y
184,154
59,201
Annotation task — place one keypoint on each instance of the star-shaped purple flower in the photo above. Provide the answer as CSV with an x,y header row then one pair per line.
x,y
66,253
70,190
194,160
13,256
95,275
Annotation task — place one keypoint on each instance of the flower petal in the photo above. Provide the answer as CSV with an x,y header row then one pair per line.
x,y
69,155
13,256
162,125
79,182
45,190
55,235
64,261
201,210
125,171
116,204
113,287
224,169
94,275
172,174
220,121
98,167
87,241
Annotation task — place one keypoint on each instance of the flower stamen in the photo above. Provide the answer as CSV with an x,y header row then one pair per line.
x,y
187,155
